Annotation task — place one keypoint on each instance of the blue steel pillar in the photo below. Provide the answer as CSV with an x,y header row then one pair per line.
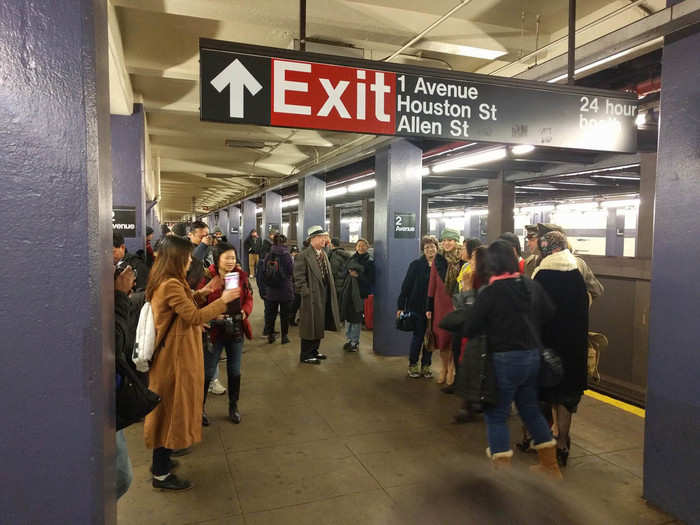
x,y
671,451
233,232
312,205
128,167
272,212
248,223
398,190
57,437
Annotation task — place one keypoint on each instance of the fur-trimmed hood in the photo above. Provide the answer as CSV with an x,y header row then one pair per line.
x,y
562,261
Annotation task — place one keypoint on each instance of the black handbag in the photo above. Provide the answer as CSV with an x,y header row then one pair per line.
x,y
134,399
551,367
406,322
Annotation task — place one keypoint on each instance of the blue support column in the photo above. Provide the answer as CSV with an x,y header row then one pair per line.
x,y
312,204
57,438
272,212
128,165
671,451
248,223
234,229
615,234
398,191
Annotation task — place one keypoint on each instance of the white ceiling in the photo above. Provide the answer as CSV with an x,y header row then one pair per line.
x,y
154,59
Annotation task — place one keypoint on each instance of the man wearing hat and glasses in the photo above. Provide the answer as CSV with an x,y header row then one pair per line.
x,y
313,281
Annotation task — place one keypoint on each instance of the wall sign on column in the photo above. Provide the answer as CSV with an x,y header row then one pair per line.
x,y
244,84
404,225
124,220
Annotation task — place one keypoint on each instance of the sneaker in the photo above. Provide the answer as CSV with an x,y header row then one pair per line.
x,y
216,388
426,371
414,371
347,346
354,347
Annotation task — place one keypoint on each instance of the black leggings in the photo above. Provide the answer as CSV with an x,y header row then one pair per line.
x,y
161,461
271,311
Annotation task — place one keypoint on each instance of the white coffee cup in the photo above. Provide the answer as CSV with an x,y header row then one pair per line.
x,y
231,280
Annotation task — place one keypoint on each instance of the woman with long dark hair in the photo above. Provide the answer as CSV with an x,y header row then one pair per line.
x,y
177,370
509,311
228,329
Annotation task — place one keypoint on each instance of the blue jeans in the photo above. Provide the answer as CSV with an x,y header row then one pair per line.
x,y
352,332
417,342
124,472
234,352
516,374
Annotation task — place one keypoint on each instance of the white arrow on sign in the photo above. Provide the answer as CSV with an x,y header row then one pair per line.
x,y
237,77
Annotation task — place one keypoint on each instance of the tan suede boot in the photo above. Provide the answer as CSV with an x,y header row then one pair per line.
x,y
500,460
547,454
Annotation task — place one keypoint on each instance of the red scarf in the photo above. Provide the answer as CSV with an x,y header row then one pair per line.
x,y
504,276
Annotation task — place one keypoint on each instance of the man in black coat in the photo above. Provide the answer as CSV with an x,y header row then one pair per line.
x,y
252,246
124,335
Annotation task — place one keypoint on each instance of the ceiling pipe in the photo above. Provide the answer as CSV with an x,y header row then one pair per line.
x,y
566,37
426,30
302,25
571,65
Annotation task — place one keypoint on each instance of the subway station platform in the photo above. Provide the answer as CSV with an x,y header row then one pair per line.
x,y
353,440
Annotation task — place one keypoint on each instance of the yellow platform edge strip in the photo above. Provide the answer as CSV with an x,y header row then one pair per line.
x,y
617,403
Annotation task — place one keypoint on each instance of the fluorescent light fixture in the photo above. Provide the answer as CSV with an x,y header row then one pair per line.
x,y
362,186
258,210
466,161
336,192
535,209
601,170
522,149
578,206
434,215
289,203
641,119
539,188
285,225
575,183
617,177
458,49
424,171
605,60
625,203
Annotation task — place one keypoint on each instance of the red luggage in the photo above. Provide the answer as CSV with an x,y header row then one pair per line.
x,y
369,312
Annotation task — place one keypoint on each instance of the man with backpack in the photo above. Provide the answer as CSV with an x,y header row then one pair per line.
x,y
278,267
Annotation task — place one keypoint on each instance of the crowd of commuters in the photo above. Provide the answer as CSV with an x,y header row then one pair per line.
x,y
465,300
489,304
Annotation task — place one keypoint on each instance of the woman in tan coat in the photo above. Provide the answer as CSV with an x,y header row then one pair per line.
x,y
177,370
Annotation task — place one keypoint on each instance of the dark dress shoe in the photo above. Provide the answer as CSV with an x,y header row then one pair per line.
x,y
285,339
450,389
172,482
179,452
172,465
234,415
320,356
205,420
271,338
311,361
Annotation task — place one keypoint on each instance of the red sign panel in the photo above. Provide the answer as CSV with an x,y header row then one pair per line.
x,y
323,96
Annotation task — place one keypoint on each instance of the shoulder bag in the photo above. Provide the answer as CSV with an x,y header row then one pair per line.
x,y
551,367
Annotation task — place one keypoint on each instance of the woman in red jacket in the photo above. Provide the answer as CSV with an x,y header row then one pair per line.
x,y
442,285
228,330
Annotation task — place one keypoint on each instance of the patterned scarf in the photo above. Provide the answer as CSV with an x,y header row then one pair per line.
x,y
454,265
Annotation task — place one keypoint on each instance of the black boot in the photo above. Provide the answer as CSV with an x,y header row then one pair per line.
x,y
234,389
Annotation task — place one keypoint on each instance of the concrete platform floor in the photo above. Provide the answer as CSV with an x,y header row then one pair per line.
x,y
354,441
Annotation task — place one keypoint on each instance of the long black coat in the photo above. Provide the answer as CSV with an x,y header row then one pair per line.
x,y
365,279
315,314
567,331
414,289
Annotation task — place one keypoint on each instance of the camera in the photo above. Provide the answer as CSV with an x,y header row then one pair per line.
x,y
231,325
121,266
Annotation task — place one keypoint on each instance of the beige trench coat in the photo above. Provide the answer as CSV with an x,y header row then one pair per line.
x,y
177,373
308,281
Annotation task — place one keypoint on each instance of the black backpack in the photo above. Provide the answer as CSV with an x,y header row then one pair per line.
x,y
273,275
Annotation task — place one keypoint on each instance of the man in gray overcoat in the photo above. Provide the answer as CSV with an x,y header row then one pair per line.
x,y
314,282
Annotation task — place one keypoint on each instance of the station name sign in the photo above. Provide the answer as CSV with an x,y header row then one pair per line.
x,y
245,84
